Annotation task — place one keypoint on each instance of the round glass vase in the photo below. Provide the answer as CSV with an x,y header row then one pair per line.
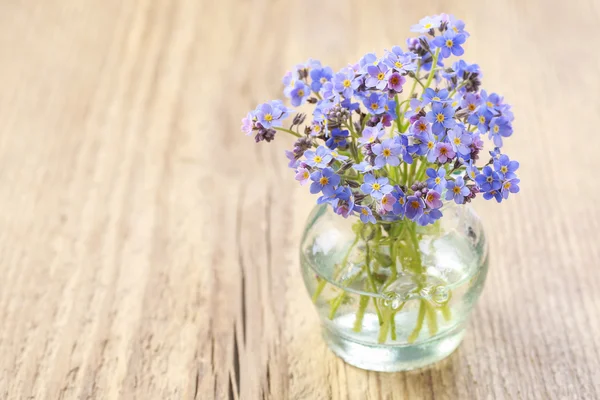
x,y
394,296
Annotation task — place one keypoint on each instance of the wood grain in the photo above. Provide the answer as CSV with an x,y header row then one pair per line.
x,y
149,250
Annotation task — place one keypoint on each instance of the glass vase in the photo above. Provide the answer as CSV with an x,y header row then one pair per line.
x,y
394,296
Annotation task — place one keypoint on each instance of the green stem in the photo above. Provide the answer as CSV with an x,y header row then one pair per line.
x,y
337,302
412,90
421,170
384,329
420,318
288,131
371,280
431,319
432,72
363,302
446,312
411,174
320,287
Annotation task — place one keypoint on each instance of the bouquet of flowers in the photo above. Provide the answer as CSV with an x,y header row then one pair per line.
x,y
393,138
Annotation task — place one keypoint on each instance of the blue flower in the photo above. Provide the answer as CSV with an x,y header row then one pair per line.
x,y
271,114
481,119
376,187
505,167
510,186
429,216
460,140
456,25
427,146
414,207
437,179
320,158
492,101
493,194
371,134
338,138
488,180
470,102
433,199
366,216
363,167
457,190
377,76
400,61
449,43
366,61
472,170
431,95
387,153
441,117
325,181
343,82
427,24
375,103
299,93
400,205
500,127
319,76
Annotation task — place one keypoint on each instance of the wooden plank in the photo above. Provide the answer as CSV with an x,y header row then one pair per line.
x,y
149,249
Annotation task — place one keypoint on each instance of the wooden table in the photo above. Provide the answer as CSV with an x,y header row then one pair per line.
x,y
149,250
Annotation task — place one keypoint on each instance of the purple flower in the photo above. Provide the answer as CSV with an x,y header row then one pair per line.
x,y
441,117
460,140
429,216
420,127
316,128
338,138
319,158
481,119
437,179
488,180
444,152
470,102
248,124
371,134
343,82
400,61
387,153
395,82
320,76
505,167
376,187
375,103
377,77
302,175
432,199
431,95
427,24
324,181
387,203
457,190
449,43
344,203
294,162
366,216
510,186
414,207
299,93
499,127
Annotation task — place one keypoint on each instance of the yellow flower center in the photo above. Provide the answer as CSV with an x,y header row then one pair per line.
x,y
504,169
318,159
305,175
300,93
384,200
387,152
334,154
438,180
507,185
430,197
456,189
380,75
323,80
496,129
481,119
427,26
376,186
440,118
374,106
386,108
317,128
455,29
471,107
268,117
456,141
364,211
430,145
414,204
394,80
401,200
489,179
398,64
324,180
449,43
422,127
347,83
443,151
436,98
489,104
